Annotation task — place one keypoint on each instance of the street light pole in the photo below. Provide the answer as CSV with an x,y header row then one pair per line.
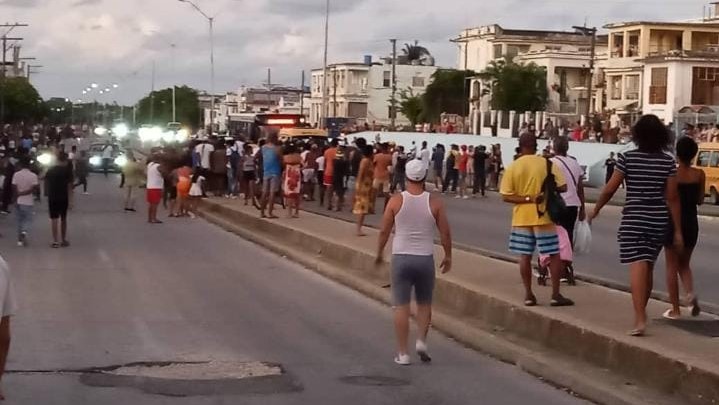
x,y
325,110
211,21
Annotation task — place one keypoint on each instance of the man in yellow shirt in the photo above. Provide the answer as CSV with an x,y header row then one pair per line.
x,y
522,185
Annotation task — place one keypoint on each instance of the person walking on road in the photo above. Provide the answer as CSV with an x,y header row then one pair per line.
x,y
59,180
272,173
574,196
692,189
610,164
414,214
532,229
425,155
82,170
155,186
328,172
437,163
382,165
451,176
25,183
652,202
363,202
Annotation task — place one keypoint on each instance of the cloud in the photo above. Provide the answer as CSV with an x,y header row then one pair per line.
x,y
303,8
82,3
21,3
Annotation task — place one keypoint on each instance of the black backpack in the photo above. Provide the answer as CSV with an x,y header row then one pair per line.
x,y
555,206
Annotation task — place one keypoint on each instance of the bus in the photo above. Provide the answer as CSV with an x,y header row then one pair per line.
x,y
256,126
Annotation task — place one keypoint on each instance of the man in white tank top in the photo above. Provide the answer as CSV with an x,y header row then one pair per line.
x,y
414,214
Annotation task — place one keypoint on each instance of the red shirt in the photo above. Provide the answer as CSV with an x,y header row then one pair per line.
x,y
463,159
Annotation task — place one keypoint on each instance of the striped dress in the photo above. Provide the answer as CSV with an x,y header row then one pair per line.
x,y
646,218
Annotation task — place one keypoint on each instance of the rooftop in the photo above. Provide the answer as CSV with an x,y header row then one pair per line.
x,y
696,24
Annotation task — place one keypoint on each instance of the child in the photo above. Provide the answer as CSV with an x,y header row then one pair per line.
x,y
292,185
565,253
184,183
196,189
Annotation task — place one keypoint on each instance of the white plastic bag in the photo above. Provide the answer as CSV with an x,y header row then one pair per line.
x,y
582,238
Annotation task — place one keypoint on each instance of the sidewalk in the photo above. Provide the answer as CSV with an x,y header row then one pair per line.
x,y
484,293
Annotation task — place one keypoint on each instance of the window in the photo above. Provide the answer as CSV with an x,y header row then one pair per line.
x,y
631,87
703,159
705,86
364,84
658,87
553,47
386,79
714,161
498,51
616,89
391,113
418,81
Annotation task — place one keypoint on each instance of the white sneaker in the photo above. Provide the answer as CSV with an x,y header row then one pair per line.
x,y
465,197
457,196
403,360
422,351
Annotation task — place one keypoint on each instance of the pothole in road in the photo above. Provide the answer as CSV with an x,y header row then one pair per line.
x,y
374,381
193,379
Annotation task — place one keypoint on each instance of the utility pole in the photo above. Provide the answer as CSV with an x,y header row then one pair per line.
x,y
302,95
334,92
325,110
592,54
152,95
393,99
30,71
269,89
5,38
464,89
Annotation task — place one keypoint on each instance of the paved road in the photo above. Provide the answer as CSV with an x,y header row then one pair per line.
x,y
484,223
185,290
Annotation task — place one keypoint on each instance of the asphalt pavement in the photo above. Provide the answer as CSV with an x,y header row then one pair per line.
x,y
484,223
127,291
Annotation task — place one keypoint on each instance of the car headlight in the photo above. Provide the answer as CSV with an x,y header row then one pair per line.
x,y
120,161
96,161
45,159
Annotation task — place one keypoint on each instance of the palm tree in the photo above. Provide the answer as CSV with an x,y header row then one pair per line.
x,y
415,55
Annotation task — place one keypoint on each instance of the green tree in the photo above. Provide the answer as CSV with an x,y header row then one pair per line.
x,y
447,93
156,108
20,100
410,105
516,87
415,54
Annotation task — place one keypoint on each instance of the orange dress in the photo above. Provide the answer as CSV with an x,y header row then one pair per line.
x,y
184,181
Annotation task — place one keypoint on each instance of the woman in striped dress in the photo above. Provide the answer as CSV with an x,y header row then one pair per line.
x,y
652,202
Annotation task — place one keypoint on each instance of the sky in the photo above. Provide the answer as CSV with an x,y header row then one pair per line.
x,y
108,42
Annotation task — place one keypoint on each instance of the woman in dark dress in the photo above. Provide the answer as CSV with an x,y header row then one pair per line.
x,y
652,202
691,183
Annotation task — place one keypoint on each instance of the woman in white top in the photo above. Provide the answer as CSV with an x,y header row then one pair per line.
x,y
414,214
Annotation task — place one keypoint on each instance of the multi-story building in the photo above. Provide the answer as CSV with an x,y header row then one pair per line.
x,y
565,55
362,91
262,99
661,67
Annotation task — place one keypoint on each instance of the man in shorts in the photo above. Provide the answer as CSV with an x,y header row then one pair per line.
x,y
272,169
531,226
155,185
329,155
59,182
414,214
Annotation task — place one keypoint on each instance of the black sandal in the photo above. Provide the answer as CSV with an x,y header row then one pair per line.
x,y
560,301
530,301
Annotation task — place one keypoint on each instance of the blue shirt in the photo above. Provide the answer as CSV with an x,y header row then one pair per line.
x,y
271,161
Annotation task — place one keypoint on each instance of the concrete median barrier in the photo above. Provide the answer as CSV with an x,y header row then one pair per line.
x,y
583,348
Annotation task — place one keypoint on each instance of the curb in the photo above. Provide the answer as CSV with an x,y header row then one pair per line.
x,y
600,281
598,367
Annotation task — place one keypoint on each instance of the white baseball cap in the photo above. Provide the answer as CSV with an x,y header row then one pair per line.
x,y
415,170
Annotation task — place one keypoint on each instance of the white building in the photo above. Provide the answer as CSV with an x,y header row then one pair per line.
x,y
661,67
362,91
565,55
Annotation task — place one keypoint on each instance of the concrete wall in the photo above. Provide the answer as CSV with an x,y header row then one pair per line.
x,y
589,155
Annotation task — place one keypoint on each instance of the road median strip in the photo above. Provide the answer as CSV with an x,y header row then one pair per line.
x,y
480,304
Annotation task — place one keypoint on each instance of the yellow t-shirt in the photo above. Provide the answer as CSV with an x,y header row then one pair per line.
x,y
525,177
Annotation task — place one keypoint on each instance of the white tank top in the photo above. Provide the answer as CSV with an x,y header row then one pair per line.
x,y
414,226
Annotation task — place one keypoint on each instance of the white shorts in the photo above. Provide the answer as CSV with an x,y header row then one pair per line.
x,y
7,292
